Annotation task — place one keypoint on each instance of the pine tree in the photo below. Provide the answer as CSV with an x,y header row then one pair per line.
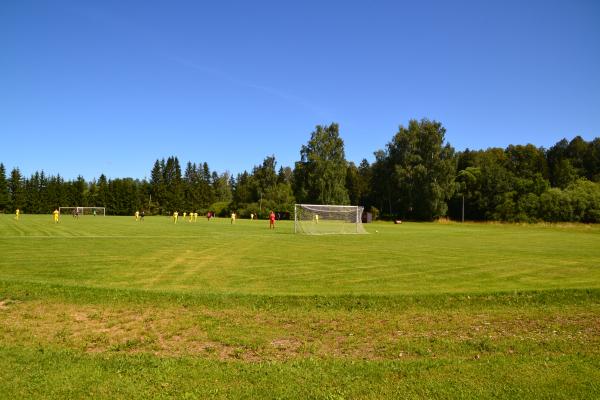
x,y
157,184
174,184
4,193
16,189
103,195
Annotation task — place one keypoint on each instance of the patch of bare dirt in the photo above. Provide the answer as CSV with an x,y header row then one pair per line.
x,y
254,336
6,303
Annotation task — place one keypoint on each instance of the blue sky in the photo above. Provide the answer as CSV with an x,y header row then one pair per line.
x,y
108,87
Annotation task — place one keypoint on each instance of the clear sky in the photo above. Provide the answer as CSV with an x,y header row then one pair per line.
x,y
110,86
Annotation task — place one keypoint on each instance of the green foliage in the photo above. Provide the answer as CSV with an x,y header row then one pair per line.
x,y
320,176
585,200
511,184
4,193
526,161
263,190
222,187
421,169
555,206
568,161
158,185
16,189
220,208
418,177
358,180
194,191
198,193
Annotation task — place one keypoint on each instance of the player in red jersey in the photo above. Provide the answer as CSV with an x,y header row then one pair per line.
x,y
272,220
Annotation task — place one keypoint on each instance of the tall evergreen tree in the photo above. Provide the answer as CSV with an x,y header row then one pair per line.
x,y
222,187
189,187
353,185
157,183
4,193
365,172
33,195
56,192
173,185
285,175
382,191
244,190
103,191
91,198
16,189
592,160
45,206
207,196
77,191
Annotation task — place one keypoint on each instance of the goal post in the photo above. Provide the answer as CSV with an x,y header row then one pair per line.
x,y
100,211
320,219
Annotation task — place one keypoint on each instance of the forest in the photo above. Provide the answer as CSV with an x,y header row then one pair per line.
x,y
417,176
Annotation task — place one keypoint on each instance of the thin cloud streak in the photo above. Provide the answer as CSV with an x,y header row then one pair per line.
x,y
265,89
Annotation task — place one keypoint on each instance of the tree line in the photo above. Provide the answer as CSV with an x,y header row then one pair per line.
x,y
417,176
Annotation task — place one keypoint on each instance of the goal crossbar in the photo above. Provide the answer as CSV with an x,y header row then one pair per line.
x,y
321,219
83,210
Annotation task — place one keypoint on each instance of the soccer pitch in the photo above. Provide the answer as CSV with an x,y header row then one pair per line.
x,y
109,307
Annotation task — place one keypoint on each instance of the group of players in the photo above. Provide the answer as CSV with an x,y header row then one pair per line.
x,y
55,214
192,217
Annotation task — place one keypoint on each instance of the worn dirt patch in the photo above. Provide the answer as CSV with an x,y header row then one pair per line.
x,y
6,303
254,336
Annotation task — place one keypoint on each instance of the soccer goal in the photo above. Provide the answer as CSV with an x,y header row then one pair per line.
x,y
314,219
101,211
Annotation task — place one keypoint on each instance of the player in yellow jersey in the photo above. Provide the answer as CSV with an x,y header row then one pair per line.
x,y
175,216
56,213
17,213
137,215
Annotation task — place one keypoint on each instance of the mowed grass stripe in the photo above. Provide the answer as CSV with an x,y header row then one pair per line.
x,y
143,377
118,309
246,257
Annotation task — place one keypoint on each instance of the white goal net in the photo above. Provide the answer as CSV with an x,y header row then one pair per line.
x,y
79,211
316,219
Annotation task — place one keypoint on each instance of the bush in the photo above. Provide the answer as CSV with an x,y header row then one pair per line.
x,y
585,200
245,209
528,208
374,213
555,206
220,208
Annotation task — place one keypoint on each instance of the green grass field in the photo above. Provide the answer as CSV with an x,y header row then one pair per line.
x,y
105,307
